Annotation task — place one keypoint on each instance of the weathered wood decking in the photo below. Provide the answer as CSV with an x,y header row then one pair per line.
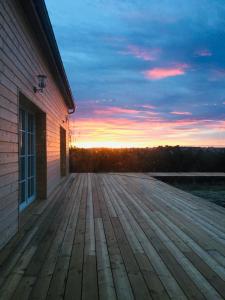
x,y
187,174
117,237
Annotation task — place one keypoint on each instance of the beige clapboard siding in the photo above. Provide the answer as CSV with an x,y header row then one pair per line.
x,y
8,158
5,114
8,136
20,62
8,205
5,92
8,168
27,56
8,126
8,147
7,103
7,190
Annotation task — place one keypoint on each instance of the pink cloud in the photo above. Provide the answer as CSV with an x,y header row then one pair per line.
x,y
141,53
148,106
116,110
120,111
203,52
182,113
161,73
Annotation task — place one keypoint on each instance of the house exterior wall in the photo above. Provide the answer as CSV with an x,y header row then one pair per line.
x,y
21,60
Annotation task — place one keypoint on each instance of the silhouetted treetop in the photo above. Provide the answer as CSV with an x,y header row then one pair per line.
x,y
158,159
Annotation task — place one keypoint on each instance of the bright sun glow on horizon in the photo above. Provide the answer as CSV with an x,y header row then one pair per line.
x,y
103,144
123,133
115,145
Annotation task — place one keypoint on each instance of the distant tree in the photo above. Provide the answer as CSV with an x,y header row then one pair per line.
x,y
158,159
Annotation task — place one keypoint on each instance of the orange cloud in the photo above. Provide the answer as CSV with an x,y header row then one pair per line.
x,y
161,73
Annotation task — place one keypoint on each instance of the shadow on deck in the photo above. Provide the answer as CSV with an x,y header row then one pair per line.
x,y
117,236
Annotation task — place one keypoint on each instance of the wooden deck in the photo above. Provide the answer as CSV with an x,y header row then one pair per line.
x,y
187,174
115,236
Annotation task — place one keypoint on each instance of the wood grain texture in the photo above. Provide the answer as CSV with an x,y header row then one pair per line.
x,y
21,60
112,236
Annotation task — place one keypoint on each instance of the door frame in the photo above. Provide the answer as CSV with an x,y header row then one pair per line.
x,y
63,153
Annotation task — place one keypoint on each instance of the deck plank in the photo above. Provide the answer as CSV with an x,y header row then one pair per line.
x,y
122,284
58,281
75,273
117,236
90,278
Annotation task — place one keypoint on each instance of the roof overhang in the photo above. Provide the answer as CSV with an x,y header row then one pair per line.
x,y
38,17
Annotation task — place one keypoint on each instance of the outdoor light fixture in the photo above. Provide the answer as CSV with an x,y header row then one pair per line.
x,y
41,83
66,119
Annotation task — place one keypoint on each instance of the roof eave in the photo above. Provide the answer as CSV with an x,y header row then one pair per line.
x,y
37,15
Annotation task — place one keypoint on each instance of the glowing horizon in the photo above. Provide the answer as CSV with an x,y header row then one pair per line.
x,y
124,133
112,145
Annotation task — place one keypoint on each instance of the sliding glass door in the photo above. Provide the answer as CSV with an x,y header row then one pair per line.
x,y
27,180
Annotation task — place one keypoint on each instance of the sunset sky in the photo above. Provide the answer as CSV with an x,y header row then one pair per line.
x,y
144,72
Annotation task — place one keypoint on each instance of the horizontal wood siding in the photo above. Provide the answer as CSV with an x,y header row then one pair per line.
x,y
21,60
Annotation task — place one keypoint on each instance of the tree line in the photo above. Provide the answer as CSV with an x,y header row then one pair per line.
x,y
158,159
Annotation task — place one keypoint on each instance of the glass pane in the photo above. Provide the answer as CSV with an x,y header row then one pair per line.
x,y
29,166
30,143
22,143
30,123
30,187
27,157
22,119
22,192
32,166
22,168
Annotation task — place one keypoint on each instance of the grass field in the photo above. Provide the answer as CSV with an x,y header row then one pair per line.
x,y
210,189
213,192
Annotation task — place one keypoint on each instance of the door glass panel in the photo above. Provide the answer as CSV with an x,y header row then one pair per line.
x,y
29,166
32,185
22,192
32,173
27,158
22,142
29,188
30,143
30,123
22,168
22,119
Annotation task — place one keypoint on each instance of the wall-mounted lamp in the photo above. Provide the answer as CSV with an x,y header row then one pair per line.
x,y
66,119
41,84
